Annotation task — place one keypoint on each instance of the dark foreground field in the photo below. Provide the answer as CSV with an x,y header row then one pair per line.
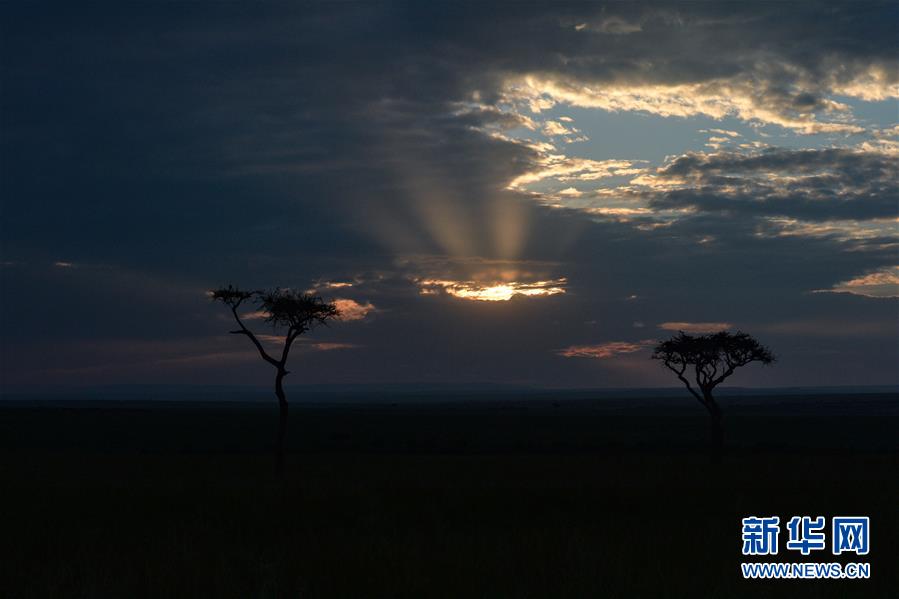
x,y
544,497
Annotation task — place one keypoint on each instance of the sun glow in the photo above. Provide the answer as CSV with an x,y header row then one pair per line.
x,y
495,292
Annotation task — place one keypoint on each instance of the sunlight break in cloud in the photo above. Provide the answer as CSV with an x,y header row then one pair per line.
x,y
604,350
335,284
565,168
495,292
883,283
738,96
696,327
554,128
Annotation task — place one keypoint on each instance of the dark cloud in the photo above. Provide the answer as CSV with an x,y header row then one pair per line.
x,y
810,185
163,149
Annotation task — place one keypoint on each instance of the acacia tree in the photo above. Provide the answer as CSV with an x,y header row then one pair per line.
x,y
709,359
294,312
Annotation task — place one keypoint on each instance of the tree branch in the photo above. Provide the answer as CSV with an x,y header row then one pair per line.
x,y
245,331
727,373
699,380
292,334
680,375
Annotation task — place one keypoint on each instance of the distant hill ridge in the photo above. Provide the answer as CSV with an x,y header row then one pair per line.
x,y
399,391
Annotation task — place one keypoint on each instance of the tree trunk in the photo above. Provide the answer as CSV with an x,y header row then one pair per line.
x,y
717,434
282,418
717,424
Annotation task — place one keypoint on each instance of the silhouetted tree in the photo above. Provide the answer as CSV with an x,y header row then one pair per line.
x,y
293,311
709,359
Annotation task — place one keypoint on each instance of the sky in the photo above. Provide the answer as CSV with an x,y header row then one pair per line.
x,y
510,193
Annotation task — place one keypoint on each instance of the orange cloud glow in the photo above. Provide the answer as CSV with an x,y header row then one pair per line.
x,y
884,283
604,350
332,346
352,310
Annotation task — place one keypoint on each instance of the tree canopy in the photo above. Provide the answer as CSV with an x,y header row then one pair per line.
x,y
298,311
710,358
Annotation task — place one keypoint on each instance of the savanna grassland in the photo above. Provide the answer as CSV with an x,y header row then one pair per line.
x,y
543,496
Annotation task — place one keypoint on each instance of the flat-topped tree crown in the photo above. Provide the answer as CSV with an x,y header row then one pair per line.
x,y
298,311
715,356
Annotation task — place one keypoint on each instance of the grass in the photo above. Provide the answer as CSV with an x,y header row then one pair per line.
x,y
474,500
